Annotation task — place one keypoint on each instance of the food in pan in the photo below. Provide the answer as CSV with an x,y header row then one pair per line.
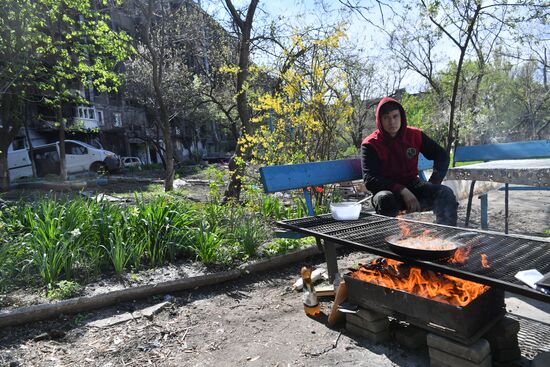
x,y
425,243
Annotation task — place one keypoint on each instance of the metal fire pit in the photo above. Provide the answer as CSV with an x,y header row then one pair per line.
x,y
464,324
506,254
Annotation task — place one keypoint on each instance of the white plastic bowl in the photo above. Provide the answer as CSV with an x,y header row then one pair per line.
x,y
346,210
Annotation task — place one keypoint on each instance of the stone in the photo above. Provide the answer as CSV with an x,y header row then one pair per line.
x,y
375,326
475,353
379,337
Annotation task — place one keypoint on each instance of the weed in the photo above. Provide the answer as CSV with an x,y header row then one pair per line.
x,y
64,289
206,244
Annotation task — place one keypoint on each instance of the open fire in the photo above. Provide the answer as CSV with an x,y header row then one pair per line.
x,y
424,283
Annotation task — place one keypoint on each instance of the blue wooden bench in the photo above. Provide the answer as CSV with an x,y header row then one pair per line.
x,y
305,175
493,152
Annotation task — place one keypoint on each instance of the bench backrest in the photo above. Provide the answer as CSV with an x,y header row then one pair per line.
x,y
304,175
492,152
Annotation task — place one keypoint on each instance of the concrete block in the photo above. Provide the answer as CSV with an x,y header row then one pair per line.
x,y
442,359
370,315
410,337
373,326
475,353
373,337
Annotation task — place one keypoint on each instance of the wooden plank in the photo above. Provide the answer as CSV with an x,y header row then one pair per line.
x,y
517,150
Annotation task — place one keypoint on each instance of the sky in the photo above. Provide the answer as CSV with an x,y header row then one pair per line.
x,y
360,32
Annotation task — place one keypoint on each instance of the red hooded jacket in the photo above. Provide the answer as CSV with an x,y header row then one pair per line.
x,y
391,163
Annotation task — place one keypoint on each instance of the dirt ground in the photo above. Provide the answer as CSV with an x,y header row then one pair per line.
x,y
256,321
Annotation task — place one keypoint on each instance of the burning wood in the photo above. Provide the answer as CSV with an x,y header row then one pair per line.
x,y
425,283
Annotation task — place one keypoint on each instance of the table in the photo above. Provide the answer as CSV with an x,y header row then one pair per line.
x,y
531,172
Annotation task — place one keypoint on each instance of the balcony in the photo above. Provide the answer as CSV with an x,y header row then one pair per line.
x,y
89,118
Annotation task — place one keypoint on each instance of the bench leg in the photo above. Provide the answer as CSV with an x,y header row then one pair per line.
x,y
469,207
330,257
506,208
484,208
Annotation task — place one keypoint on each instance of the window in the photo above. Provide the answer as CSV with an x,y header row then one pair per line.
x,y
76,149
117,119
100,117
86,112
18,143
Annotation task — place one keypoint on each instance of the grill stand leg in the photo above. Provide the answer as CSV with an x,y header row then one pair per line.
x,y
469,207
503,338
330,257
484,220
506,208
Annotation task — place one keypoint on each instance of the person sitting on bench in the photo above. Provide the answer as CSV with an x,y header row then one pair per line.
x,y
389,158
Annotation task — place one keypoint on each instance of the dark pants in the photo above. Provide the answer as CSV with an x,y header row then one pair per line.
x,y
440,198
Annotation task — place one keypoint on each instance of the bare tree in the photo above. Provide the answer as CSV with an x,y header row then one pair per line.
x,y
243,27
159,77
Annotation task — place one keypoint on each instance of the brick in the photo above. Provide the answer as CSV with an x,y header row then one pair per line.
x,y
373,337
370,315
410,337
372,326
473,353
442,359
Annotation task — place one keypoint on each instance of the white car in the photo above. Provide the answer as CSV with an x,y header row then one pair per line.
x,y
79,156
133,162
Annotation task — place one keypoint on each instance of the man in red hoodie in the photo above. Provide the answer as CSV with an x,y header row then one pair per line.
x,y
390,167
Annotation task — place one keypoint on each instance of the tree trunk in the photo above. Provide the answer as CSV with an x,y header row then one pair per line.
x,y
463,49
4,169
62,158
10,115
169,158
236,166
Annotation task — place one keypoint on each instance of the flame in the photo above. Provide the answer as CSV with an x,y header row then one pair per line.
x,y
484,261
460,255
424,283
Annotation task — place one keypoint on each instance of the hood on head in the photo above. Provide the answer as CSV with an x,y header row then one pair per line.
x,y
382,102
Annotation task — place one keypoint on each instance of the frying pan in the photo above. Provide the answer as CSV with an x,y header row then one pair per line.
x,y
427,254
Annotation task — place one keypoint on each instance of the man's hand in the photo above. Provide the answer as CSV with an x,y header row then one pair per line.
x,y
410,201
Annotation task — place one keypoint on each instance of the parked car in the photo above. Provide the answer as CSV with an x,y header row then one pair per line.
x,y
133,162
79,157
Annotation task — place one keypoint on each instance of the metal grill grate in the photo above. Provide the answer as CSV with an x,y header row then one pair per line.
x,y
506,254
